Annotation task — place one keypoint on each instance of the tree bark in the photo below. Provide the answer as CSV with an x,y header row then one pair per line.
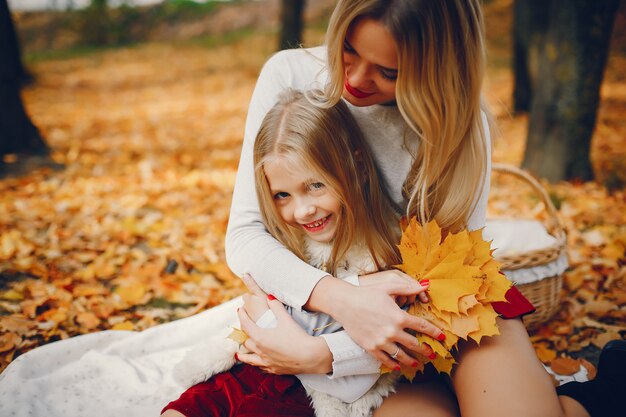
x,y
530,23
566,92
17,132
291,23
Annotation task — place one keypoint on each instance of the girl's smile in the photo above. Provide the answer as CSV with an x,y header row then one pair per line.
x,y
317,225
301,198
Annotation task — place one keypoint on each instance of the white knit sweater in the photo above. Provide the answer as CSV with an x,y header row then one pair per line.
x,y
250,248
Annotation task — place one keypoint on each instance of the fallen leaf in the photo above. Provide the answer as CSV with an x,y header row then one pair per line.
x,y
591,370
9,341
565,366
87,320
125,325
545,354
604,338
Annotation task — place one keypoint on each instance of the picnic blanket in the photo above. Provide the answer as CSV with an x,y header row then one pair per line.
x,y
107,373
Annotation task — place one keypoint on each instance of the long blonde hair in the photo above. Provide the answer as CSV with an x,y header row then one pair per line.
x,y
441,64
327,141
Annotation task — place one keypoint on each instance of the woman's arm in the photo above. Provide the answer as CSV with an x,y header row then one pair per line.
x,y
249,247
271,348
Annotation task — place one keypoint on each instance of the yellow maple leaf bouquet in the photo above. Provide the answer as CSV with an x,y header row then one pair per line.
x,y
464,280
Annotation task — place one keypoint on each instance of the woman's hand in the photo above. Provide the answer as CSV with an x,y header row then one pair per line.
x,y
284,349
392,276
372,318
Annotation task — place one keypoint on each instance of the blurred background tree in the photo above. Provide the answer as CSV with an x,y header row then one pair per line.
x,y
560,52
17,132
291,23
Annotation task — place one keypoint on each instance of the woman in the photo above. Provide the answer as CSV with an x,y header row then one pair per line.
x,y
412,72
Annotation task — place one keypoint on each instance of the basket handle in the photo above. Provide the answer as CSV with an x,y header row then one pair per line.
x,y
554,223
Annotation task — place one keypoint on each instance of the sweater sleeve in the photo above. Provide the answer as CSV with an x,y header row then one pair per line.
x,y
249,246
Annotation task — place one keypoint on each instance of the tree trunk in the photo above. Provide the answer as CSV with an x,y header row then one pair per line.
x,y
291,23
530,22
567,89
17,132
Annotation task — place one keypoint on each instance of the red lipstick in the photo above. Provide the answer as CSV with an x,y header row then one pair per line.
x,y
354,91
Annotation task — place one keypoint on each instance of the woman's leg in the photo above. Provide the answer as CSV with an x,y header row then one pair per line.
x,y
432,398
503,376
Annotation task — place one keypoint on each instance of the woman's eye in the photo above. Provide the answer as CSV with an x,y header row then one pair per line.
x,y
348,48
314,186
280,196
389,75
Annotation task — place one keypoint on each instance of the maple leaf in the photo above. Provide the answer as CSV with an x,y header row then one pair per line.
x,y
464,281
238,336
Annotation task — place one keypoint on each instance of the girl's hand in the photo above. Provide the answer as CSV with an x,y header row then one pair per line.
x,y
371,317
255,302
284,349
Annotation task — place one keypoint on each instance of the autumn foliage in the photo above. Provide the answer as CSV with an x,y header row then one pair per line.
x,y
464,281
130,234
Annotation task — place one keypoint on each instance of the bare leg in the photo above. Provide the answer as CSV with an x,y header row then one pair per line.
x,y
427,399
503,376
172,413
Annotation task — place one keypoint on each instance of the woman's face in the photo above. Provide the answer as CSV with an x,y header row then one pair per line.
x,y
370,59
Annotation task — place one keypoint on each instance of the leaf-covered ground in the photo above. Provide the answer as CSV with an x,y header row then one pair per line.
x,y
130,233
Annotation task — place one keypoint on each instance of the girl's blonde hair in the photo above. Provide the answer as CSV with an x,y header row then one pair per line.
x,y
441,63
327,141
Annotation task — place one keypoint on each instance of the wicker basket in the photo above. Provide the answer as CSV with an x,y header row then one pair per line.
x,y
544,293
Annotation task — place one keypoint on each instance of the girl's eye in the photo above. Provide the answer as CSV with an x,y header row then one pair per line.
x,y
315,186
348,48
281,196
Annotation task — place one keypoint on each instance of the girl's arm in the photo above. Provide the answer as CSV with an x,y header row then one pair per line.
x,y
251,249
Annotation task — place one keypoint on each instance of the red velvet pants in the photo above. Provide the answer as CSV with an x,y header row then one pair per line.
x,y
245,391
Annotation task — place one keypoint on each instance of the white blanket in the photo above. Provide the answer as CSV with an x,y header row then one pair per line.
x,y
107,373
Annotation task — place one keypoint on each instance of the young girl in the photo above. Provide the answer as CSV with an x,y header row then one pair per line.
x,y
412,71
320,196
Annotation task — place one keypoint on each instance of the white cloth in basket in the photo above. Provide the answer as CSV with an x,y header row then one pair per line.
x,y
517,236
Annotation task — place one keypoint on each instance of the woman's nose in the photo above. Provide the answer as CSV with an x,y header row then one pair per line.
x,y
358,76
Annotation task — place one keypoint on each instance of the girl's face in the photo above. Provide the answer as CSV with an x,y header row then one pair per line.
x,y
302,199
371,62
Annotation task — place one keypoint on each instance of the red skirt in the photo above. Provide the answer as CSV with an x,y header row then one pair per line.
x,y
245,391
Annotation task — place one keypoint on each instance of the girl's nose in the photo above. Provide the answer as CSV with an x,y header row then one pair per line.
x,y
305,210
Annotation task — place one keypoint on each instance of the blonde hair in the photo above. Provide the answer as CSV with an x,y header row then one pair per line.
x,y
327,141
441,64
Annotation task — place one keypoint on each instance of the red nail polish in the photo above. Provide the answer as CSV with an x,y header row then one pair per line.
x,y
432,355
270,297
441,337
414,364
236,357
397,368
424,282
